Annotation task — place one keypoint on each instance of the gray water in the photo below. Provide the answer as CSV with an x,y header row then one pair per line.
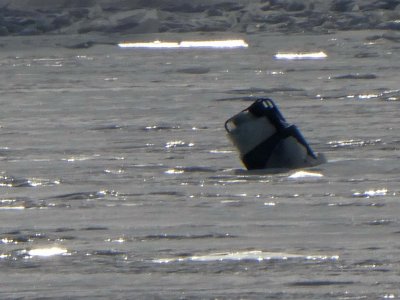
x,y
118,181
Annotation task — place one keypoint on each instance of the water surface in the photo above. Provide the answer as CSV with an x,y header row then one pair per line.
x,y
117,179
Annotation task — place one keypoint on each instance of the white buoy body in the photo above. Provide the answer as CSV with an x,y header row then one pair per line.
x,y
249,131
265,140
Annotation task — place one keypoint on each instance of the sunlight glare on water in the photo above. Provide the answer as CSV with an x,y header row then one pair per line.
x,y
254,255
187,44
305,174
47,252
299,56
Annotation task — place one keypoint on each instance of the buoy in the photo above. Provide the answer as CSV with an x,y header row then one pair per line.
x,y
265,140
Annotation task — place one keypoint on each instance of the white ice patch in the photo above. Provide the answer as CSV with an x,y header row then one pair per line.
x,y
255,255
305,174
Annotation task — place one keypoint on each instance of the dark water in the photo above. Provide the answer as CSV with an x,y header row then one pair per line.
x,y
118,182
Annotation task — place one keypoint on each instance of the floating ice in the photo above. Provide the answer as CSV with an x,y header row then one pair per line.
x,y
308,55
255,255
187,44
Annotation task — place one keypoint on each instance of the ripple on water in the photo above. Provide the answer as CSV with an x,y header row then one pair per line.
x,y
382,222
40,252
87,195
108,252
156,237
107,127
160,127
252,255
371,193
29,236
190,169
21,203
262,91
194,70
10,181
14,239
319,283
355,76
357,204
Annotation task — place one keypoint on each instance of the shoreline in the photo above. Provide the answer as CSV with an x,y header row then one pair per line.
x,y
35,18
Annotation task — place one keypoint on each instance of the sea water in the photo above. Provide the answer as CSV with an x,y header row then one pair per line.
x,y
118,181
